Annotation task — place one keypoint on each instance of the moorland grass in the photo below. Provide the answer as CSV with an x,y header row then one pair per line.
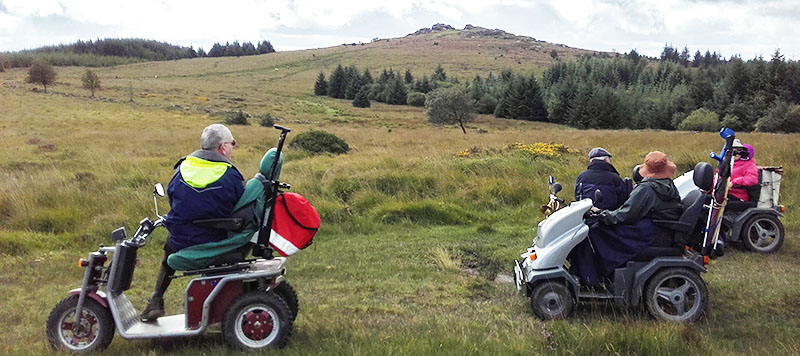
x,y
413,233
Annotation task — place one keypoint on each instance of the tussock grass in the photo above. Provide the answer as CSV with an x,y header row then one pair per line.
x,y
446,261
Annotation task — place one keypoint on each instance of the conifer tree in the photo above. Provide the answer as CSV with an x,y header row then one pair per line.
x,y
397,93
337,83
265,47
366,78
524,100
362,98
408,77
439,74
321,85
353,87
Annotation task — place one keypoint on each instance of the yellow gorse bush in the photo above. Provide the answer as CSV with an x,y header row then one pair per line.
x,y
538,149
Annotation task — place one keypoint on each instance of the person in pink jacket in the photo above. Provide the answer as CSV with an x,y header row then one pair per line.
x,y
744,170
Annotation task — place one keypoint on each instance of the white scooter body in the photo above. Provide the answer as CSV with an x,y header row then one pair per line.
x,y
558,235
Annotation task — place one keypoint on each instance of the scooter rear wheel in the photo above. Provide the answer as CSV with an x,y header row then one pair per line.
x,y
95,332
552,300
257,320
763,233
677,295
286,291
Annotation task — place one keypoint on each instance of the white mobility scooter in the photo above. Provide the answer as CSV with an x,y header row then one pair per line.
x,y
665,279
249,297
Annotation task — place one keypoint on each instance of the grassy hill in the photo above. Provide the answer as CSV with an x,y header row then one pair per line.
x,y
414,235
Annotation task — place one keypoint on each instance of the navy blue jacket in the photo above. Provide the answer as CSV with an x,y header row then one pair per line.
x,y
602,175
205,186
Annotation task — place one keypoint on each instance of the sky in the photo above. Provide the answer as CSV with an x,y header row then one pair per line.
x,y
730,27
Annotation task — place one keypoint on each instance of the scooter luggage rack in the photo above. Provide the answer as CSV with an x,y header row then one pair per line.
x,y
216,270
130,326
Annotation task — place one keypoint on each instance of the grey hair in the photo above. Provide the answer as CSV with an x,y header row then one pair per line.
x,y
214,135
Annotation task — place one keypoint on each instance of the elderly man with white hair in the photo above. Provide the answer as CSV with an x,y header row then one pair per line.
x,y
205,185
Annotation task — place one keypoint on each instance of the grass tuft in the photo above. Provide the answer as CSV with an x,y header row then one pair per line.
x,y
446,261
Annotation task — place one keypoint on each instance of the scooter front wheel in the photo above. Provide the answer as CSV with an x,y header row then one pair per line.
x,y
552,300
94,331
258,320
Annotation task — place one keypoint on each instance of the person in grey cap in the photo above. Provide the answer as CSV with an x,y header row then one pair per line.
x,y
600,174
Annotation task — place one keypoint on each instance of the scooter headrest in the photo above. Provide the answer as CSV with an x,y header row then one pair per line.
x,y
637,178
266,164
703,176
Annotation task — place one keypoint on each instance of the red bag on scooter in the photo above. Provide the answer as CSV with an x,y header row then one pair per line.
x,y
294,224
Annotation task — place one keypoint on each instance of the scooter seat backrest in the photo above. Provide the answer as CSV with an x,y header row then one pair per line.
x,y
703,176
693,208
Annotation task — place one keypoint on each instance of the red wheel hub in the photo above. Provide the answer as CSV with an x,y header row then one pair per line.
x,y
84,332
257,325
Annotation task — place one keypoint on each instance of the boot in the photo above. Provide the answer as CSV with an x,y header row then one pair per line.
x,y
154,309
719,249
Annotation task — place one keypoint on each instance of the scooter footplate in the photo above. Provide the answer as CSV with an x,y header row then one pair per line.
x,y
166,326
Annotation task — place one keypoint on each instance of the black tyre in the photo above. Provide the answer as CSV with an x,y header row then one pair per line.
x,y
289,296
96,326
763,233
552,300
677,295
257,320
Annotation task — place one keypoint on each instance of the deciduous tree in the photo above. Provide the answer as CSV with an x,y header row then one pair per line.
x,y
451,105
90,81
42,73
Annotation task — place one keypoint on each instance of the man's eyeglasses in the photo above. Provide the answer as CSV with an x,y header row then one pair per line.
x,y
233,143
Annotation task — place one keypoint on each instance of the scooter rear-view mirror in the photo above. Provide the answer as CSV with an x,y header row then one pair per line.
x,y
556,188
158,189
118,235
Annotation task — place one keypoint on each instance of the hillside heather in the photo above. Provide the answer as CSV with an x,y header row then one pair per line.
x,y
418,221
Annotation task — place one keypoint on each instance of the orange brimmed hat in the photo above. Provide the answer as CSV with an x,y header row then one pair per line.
x,y
657,165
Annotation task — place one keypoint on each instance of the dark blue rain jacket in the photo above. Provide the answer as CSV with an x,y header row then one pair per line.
x,y
602,175
205,186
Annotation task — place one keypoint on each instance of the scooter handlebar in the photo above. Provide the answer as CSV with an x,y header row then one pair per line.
x,y
146,227
285,129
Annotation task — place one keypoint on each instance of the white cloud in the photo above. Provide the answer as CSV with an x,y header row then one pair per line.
x,y
40,8
729,26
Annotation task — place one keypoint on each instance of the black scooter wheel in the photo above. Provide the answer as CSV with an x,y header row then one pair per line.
x,y
258,320
552,300
285,290
95,332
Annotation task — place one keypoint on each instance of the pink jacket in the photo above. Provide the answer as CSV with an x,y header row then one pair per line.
x,y
743,173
